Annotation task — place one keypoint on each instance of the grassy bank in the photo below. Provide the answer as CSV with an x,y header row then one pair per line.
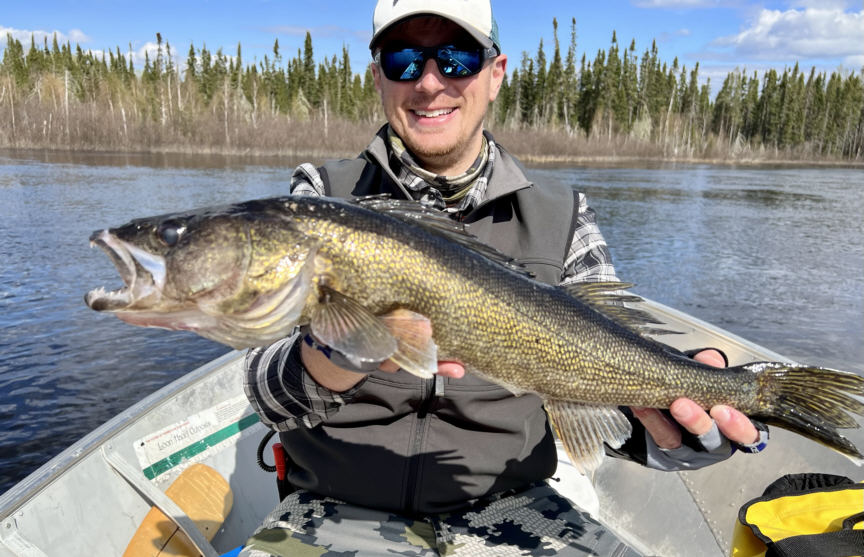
x,y
91,127
557,147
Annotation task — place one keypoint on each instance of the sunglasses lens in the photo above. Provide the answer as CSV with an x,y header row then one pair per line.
x,y
459,63
402,65
407,64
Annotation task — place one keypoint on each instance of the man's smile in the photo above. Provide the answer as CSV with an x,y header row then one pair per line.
x,y
433,113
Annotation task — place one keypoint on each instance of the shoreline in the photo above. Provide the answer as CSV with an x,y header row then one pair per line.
x,y
216,156
619,160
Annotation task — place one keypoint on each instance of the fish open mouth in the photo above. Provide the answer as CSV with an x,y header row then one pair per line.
x,y
143,274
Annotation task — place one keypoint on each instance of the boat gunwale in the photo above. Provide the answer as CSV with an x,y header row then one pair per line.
x,y
747,346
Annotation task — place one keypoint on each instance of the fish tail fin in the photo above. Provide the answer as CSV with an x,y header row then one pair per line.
x,y
811,401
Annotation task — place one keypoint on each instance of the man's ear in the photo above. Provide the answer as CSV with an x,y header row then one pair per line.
x,y
499,69
376,76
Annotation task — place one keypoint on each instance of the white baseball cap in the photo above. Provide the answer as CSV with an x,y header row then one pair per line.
x,y
475,16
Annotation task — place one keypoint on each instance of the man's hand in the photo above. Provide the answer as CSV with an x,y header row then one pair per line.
x,y
338,379
666,433
452,369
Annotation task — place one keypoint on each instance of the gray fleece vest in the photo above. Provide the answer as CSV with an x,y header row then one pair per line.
x,y
530,223
415,446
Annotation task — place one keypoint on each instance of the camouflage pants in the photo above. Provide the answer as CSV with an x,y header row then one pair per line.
x,y
536,521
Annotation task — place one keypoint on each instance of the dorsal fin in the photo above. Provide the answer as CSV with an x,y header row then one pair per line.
x,y
608,298
438,223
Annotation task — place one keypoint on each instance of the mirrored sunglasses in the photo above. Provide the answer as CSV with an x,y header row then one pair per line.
x,y
406,64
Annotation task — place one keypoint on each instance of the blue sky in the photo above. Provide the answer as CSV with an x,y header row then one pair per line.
x,y
721,35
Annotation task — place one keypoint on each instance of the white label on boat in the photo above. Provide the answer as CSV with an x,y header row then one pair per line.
x,y
194,438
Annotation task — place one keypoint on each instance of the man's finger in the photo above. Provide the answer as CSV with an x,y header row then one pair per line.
x,y
665,433
451,369
448,369
710,357
389,366
691,416
734,425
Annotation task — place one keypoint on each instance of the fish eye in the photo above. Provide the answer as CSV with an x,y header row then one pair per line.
x,y
169,232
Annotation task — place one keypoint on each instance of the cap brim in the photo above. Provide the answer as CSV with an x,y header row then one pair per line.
x,y
475,33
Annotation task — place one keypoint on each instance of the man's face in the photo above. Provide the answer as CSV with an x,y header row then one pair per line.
x,y
440,119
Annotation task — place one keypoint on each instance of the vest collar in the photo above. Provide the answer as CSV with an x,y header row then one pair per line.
x,y
507,175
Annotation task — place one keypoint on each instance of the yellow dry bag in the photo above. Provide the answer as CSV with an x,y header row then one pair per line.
x,y
803,515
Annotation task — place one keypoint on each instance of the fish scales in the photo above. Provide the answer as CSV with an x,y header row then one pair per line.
x,y
544,341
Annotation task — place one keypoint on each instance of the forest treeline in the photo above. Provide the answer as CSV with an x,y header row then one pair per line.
x,y
620,102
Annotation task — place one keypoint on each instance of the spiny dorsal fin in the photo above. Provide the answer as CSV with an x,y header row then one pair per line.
x,y
608,298
583,429
438,223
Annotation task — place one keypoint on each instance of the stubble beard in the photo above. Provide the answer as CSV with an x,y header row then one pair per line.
x,y
437,157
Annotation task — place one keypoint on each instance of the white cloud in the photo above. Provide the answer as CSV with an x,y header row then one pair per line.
x,y
676,4
800,34
823,4
74,36
77,36
719,73
666,36
150,50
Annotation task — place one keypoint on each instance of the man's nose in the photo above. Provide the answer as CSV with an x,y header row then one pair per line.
x,y
431,79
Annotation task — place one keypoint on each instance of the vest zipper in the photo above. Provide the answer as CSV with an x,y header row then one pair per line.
x,y
429,389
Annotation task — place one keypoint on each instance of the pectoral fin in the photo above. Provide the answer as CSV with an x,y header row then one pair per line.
x,y
583,430
346,326
416,353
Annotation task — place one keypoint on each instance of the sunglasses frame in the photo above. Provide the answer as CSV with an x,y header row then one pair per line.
x,y
434,52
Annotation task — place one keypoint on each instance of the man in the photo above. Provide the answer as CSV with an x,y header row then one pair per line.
x,y
386,463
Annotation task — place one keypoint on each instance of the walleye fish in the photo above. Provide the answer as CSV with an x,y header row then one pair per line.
x,y
364,274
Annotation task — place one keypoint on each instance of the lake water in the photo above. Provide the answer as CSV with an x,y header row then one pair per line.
x,y
775,255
